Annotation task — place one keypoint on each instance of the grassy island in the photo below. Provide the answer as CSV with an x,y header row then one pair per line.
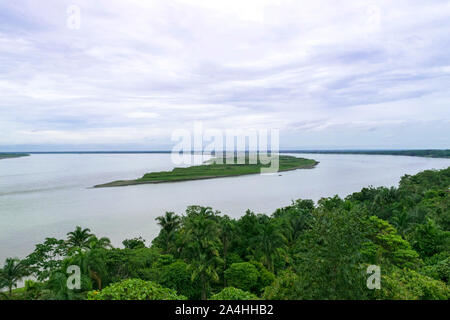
x,y
12,155
212,170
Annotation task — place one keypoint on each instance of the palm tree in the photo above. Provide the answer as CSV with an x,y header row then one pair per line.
x,y
401,220
79,238
270,240
202,248
226,236
102,243
12,272
169,223
92,265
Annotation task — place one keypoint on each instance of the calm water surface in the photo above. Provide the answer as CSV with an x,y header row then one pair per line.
x,y
47,195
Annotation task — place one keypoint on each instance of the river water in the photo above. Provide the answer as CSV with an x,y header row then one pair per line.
x,y
47,195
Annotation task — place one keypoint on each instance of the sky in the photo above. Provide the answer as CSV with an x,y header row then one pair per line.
x,y
123,75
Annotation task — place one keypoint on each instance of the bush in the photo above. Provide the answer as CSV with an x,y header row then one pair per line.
x,y
135,289
265,277
405,284
231,293
178,276
135,243
243,275
283,288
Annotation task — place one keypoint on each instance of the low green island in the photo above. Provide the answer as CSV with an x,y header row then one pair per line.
x,y
211,170
12,155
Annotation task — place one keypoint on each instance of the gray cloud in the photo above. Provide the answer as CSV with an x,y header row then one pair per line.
x,y
324,74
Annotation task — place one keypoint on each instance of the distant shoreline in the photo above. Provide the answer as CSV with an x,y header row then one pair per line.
x,y
425,153
12,155
429,153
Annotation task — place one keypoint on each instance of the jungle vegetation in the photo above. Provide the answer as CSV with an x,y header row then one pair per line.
x,y
306,250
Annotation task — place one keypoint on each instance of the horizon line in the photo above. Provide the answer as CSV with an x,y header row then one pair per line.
x,y
194,151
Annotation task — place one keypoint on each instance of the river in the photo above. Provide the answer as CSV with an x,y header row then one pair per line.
x,y
47,195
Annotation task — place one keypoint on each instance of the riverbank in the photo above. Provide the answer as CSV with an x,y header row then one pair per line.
x,y
213,170
12,155
428,153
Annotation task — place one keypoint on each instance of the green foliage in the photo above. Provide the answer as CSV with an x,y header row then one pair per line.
x,y
386,244
406,284
261,238
131,263
301,251
242,275
92,265
272,243
284,287
227,232
424,181
135,289
135,243
46,258
79,238
438,267
295,219
428,239
57,284
436,205
328,261
231,293
13,271
265,277
215,169
177,276
35,291
99,243
169,224
201,245
12,155
247,228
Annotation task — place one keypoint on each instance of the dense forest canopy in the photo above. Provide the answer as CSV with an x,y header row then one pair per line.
x,y
306,250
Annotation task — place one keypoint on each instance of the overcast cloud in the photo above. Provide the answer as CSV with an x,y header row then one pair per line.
x,y
328,74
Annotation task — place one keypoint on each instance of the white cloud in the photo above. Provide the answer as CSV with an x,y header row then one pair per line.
x,y
304,67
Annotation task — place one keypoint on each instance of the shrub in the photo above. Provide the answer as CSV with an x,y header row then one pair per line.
x,y
405,284
135,289
178,276
243,275
283,288
231,293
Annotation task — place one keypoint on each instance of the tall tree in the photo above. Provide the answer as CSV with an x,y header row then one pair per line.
x,y
270,241
46,258
226,237
328,261
202,246
169,224
12,272
99,243
79,238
